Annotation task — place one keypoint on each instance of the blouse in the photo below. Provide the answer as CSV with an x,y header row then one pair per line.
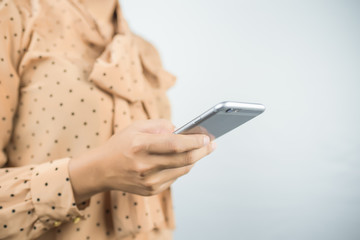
x,y
71,75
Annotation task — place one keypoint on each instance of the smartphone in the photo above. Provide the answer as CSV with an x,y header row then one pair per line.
x,y
222,118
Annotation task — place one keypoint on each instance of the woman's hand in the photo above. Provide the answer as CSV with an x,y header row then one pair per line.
x,y
144,158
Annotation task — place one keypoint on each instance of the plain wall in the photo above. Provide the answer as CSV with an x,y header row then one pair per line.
x,y
293,172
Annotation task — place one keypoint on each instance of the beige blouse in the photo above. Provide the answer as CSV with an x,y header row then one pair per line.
x,y
72,74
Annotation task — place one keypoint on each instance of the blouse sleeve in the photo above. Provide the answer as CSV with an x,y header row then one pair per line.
x,y
36,198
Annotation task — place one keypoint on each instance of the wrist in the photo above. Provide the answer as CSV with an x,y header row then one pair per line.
x,y
86,175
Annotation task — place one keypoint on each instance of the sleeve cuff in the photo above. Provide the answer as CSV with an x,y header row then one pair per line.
x,y
52,193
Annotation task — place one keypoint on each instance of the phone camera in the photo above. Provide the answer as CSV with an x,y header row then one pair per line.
x,y
230,110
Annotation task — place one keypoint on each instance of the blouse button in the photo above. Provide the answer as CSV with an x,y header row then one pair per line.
x,y
76,220
57,223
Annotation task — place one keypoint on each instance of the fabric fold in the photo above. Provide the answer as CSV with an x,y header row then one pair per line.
x,y
118,70
58,204
130,70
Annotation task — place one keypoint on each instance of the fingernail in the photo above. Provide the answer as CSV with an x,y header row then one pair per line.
x,y
213,145
206,140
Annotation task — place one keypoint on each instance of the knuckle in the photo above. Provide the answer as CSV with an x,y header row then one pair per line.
x,y
141,169
149,185
137,144
199,143
188,158
173,145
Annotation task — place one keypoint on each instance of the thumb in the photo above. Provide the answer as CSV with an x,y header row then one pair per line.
x,y
157,126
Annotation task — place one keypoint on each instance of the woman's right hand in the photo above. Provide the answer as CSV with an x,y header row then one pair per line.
x,y
145,159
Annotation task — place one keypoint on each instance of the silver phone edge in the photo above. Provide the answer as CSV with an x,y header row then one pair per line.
x,y
256,108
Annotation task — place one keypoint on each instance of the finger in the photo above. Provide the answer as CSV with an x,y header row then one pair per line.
x,y
163,187
166,186
166,175
172,143
156,126
178,160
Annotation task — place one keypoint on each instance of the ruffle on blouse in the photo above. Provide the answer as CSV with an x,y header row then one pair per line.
x,y
128,68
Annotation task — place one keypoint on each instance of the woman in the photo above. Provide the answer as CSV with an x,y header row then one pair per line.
x,y
81,159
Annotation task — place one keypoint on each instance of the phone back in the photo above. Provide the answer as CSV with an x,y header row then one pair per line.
x,y
222,118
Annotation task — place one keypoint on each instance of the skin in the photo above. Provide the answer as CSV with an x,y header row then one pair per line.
x,y
145,159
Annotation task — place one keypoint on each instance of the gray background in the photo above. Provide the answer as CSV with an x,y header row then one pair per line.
x,y
293,172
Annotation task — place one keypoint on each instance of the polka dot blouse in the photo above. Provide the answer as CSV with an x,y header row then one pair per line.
x,y
71,75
